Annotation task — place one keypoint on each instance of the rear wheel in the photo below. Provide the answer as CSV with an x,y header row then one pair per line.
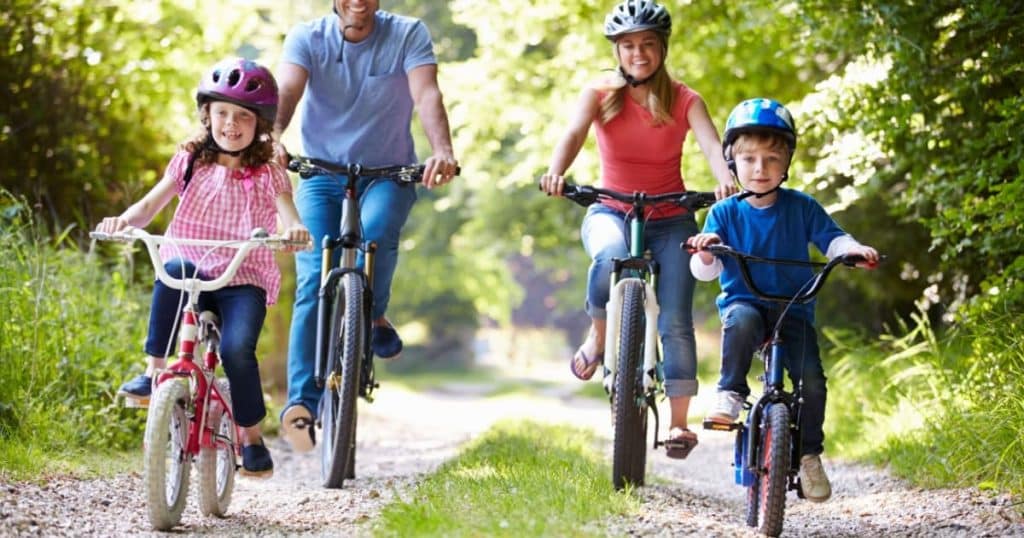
x,y
342,387
217,463
775,453
629,452
165,459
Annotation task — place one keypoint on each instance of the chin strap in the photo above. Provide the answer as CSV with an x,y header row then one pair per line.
x,y
631,80
210,143
747,194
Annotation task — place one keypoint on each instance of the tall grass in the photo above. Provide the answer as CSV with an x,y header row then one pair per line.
x,y
940,412
518,479
69,335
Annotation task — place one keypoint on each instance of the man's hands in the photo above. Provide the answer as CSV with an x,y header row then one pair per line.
x,y
438,170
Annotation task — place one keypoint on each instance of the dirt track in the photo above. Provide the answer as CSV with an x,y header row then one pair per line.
x,y
405,434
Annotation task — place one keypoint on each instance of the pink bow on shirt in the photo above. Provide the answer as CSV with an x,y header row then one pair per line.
x,y
245,176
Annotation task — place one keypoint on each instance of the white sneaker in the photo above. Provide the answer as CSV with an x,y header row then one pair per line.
x,y
727,407
297,428
813,479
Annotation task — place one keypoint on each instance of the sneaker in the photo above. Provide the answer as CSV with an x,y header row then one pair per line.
x,y
385,342
137,391
727,407
297,428
813,479
256,461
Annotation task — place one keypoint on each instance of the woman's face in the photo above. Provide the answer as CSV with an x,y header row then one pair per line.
x,y
640,53
233,126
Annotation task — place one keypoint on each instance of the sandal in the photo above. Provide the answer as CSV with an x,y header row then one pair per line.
x,y
679,443
582,366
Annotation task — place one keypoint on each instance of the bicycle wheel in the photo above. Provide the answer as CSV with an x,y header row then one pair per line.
x,y
217,463
341,391
166,462
775,453
629,450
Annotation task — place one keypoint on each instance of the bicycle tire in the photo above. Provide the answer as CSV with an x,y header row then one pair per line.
x,y
166,464
775,455
217,463
629,448
340,398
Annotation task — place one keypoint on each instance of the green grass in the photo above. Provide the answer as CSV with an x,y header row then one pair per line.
x,y
518,479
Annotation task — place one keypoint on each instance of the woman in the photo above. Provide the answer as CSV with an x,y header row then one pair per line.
x,y
641,117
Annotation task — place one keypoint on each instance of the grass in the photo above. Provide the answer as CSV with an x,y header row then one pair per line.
x,y
518,479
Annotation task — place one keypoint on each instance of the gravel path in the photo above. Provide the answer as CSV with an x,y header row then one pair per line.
x,y
405,434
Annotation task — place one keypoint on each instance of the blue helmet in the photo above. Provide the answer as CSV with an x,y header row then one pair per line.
x,y
759,115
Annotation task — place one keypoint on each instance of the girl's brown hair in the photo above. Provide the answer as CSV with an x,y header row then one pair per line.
x,y
261,151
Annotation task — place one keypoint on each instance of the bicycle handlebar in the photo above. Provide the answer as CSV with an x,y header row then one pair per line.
x,y
586,195
259,238
803,297
308,167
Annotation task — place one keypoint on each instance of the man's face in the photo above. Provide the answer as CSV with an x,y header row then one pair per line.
x,y
357,14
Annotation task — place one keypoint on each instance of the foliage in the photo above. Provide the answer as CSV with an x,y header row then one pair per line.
x,y
517,479
65,345
942,126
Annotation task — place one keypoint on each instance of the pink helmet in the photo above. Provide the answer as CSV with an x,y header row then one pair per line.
x,y
242,82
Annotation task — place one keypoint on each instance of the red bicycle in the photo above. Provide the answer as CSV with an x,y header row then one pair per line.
x,y
190,416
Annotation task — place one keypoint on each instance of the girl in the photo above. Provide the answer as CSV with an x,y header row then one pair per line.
x,y
227,184
642,117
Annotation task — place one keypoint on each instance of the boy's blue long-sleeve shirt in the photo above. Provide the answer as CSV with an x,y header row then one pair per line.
x,y
786,229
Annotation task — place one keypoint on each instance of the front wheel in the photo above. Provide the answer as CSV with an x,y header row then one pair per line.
x,y
166,461
217,463
341,390
629,452
773,479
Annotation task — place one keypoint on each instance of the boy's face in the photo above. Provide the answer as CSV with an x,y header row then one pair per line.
x,y
760,167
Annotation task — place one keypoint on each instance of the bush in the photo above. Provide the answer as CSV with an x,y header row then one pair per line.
x,y
69,336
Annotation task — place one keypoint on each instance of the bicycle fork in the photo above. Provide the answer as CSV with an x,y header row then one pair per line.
x,y
611,345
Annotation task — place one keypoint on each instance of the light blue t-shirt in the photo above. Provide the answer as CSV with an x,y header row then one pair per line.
x,y
784,230
357,107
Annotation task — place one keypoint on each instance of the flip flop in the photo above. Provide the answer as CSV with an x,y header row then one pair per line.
x,y
678,446
586,371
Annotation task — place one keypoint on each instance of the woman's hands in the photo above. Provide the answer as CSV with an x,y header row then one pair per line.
x,y
552,183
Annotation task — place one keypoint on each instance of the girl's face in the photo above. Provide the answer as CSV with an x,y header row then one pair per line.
x,y
640,53
233,126
759,166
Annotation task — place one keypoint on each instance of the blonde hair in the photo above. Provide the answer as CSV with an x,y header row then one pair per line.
x,y
773,141
660,100
259,152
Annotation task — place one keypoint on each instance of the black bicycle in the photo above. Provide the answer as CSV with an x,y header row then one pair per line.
x,y
767,450
633,349
344,359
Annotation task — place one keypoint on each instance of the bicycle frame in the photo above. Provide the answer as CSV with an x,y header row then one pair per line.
x,y
633,311
196,327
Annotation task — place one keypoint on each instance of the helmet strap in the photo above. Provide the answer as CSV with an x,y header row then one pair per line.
x,y
631,80
210,143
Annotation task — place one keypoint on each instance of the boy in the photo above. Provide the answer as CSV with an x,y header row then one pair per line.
x,y
771,222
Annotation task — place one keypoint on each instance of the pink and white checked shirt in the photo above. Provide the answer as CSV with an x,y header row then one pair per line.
x,y
224,203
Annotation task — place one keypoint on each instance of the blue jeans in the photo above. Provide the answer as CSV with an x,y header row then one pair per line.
x,y
745,326
604,237
242,310
384,207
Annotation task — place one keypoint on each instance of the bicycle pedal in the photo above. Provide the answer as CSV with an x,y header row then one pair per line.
x,y
720,427
134,403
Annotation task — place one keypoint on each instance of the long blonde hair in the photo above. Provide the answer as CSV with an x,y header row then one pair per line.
x,y
660,100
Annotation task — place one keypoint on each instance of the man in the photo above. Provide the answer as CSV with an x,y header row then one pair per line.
x,y
362,72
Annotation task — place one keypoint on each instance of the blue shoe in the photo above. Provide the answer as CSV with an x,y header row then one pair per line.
x,y
138,390
256,461
385,342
